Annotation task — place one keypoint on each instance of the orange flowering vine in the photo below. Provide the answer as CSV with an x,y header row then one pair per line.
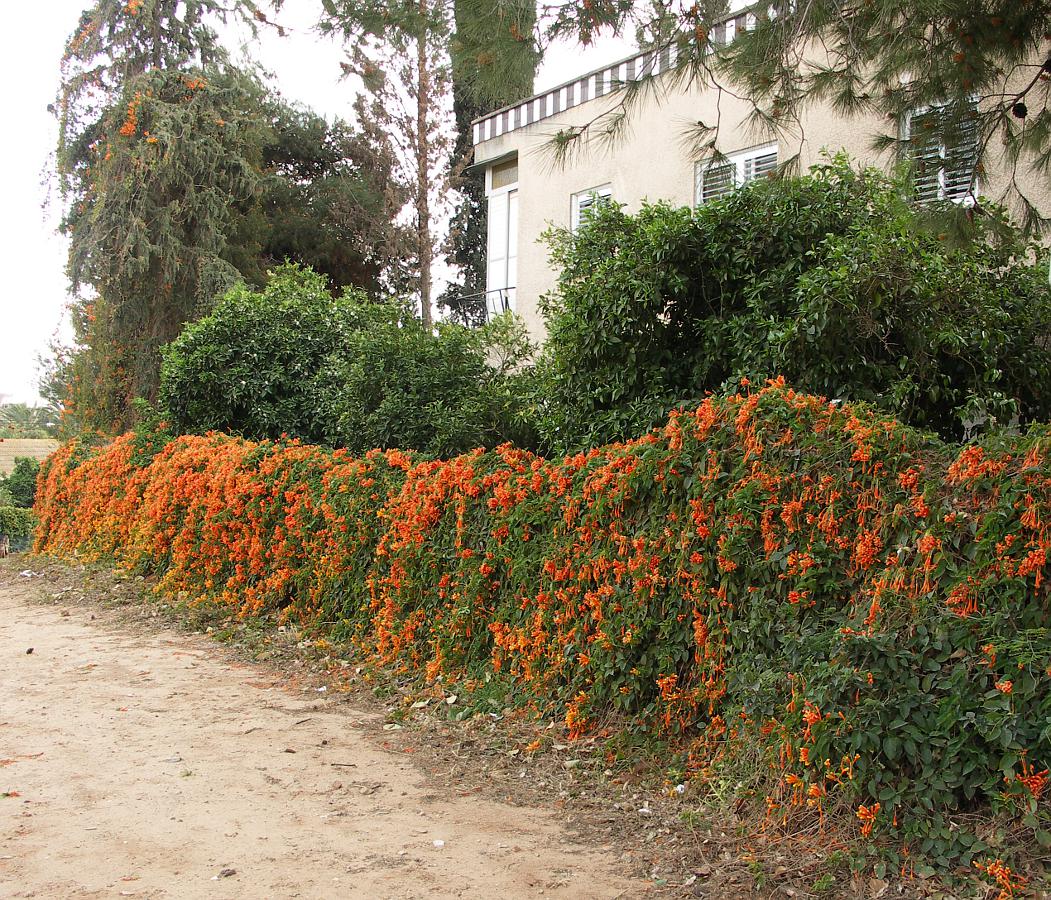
x,y
750,581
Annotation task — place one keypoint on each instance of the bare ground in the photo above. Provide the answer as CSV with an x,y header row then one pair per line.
x,y
151,763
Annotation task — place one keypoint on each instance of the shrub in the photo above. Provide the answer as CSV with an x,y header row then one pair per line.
x,y
294,360
829,280
822,606
249,367
20,485
17,524
396,385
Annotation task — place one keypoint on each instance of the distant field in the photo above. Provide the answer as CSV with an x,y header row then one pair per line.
x,y
11,448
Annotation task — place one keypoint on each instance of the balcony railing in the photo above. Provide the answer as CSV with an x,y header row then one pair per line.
x,y
483,306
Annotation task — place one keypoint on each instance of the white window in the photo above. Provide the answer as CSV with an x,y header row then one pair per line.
x,y
501,271
586,200
944,154
717,179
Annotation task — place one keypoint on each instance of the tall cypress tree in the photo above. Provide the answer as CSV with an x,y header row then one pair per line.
x,y
152,161
494,64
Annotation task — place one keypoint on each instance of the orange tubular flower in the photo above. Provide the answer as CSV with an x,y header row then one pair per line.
x,y
1009,883
867,815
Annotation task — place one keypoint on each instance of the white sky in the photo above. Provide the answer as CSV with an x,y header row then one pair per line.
x,y
305,67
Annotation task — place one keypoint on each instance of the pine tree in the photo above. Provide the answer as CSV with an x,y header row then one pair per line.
x,y
399,51
173,167
152,162
329,199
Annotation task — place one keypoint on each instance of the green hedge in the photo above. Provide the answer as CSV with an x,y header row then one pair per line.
x,y
831,280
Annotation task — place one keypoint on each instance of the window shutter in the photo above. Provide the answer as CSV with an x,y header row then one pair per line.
x,y
960,161
926,156
717,181
586,200
758,166
941,172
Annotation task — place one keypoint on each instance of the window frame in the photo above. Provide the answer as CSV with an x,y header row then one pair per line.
x,y
737,159
601,192
507,293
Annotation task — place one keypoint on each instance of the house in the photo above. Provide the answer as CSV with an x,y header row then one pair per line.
x,y
528,190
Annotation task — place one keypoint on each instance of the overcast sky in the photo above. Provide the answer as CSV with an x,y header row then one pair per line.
x,y
305,67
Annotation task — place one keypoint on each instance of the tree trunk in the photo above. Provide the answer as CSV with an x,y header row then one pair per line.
x,y
156,35
423,153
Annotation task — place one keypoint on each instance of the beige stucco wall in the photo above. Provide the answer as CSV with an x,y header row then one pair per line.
x,y
650,162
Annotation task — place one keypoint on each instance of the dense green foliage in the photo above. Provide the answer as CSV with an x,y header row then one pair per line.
x,y
831,616
828,280
249,367
396,385
342,371
327,199
182,175
16,524
20,485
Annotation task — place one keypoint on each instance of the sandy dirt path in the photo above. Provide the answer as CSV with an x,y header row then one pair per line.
x,y
144,764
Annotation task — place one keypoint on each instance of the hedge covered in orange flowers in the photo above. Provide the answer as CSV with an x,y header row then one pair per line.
x,y
855,609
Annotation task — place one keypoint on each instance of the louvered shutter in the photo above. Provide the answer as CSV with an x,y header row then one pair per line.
x,y
589,200
940,172
717,181
960,161
758,166
925,146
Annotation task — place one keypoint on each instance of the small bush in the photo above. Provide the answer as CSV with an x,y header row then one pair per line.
x,y
294,360
20,485
250,366
17,524
829,280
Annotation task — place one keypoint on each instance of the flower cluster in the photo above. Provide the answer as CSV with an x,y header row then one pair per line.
x,y
768,573
131,119
1010,883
